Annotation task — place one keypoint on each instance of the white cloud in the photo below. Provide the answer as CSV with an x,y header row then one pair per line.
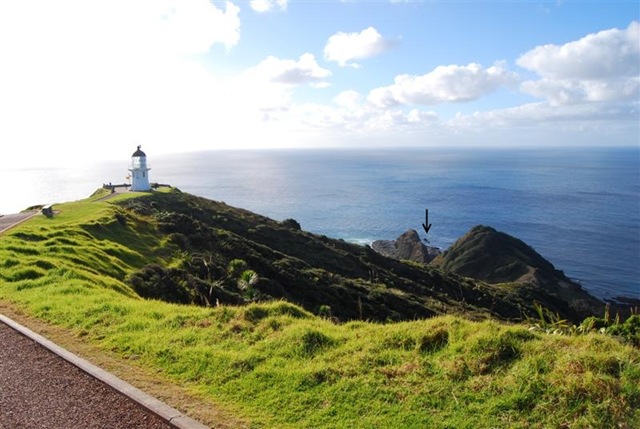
x,y
262,6
444,84
599,67
193,26
351,118
539,125
321,85
266,90
537,114
349,99
94,78
346,47
416,116
561,92
82,75
596,56
291,72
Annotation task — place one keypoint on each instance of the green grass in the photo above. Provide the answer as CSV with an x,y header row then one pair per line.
x,y
276,365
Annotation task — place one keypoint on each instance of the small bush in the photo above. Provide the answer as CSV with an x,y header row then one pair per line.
x,y
324,311
178,239
155,282
236,268
628,331
291,224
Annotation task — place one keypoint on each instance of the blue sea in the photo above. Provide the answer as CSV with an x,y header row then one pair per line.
x,y
578,207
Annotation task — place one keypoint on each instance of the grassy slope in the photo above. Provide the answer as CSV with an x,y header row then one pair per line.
x,y
276,365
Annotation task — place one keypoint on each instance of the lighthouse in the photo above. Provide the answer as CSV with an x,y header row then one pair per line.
x,y
139,171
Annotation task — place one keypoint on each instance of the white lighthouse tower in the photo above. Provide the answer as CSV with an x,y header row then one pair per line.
x,y
139,171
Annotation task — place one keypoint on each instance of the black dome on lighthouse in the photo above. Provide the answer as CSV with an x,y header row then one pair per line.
x,y
138,152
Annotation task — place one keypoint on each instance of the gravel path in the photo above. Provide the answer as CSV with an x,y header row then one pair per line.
x,y
39,390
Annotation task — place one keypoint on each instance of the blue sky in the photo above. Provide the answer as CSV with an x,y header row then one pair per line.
x,y
98,78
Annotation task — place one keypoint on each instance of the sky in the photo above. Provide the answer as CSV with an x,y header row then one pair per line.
x,y
94,79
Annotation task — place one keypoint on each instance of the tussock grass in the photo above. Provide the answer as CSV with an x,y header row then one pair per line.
x,y
277,365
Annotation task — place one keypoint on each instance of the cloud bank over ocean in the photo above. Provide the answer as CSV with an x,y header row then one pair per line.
x,y
195,75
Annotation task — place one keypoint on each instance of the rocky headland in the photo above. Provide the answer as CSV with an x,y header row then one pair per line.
x,y
497,258
486,273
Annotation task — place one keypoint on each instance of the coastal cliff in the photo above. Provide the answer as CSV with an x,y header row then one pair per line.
x,y
321,274
484,274
496,257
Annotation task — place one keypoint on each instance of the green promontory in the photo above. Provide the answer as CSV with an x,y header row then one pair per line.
x,y
495,257
293,330
315,272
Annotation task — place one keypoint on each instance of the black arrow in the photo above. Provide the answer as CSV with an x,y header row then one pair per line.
x,y
426,225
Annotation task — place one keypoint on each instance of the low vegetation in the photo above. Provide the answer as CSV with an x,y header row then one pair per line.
x,y
278,364
495,257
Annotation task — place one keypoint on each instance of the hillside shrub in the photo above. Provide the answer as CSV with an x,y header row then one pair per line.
x,y
156,282
291,224
629,331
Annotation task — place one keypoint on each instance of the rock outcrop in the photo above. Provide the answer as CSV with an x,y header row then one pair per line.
x,y
495,257
406,247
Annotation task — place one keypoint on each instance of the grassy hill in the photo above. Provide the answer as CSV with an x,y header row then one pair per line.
x,y
310,363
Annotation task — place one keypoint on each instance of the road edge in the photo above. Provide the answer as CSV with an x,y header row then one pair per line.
x,y
144,400
17,223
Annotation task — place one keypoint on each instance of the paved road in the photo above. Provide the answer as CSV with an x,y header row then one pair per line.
x,y
38,389
7,221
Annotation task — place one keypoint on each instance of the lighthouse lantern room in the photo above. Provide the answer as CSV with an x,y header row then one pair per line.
x,y
139,171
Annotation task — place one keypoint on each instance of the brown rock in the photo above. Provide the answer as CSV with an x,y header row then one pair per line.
x,y
406,247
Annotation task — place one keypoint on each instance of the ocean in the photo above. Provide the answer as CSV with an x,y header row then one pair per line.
x,y
578,207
